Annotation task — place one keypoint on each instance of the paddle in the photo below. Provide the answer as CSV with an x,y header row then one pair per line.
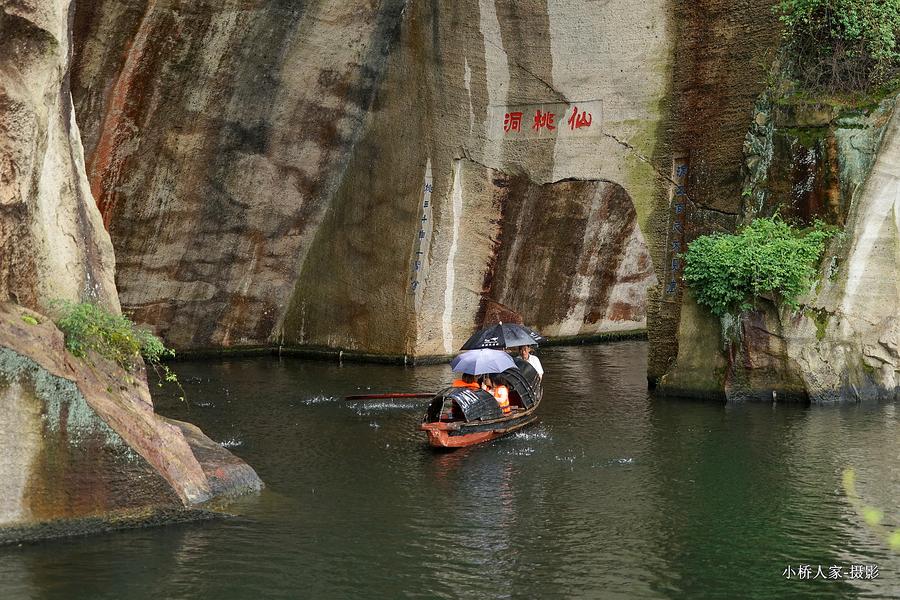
x,y
390,395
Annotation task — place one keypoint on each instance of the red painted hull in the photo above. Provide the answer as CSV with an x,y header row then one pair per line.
x,y
440,436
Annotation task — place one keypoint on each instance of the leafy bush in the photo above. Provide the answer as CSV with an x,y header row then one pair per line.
x,y
89,327
727,272
842,45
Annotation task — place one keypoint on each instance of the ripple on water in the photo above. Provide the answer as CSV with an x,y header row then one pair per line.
x,y
318,400
520,452
365,408
231,443
536,433
613,462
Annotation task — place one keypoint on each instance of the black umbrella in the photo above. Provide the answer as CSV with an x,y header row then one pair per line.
x,y
503,335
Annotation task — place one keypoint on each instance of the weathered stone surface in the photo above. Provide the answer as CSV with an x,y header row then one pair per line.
x,y
80,446
267,187
809,168
601,265
760,367
80,441
52,241
722,52
854,358
699,368
216,133
841,346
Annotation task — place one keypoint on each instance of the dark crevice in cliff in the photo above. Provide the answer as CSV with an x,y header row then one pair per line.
x,y
468,157
715,210
588,179
641,157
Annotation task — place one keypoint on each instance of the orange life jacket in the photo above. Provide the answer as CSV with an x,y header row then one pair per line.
x,y
463,384
501,393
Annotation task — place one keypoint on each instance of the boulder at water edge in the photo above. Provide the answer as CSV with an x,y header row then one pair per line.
x,y
82,450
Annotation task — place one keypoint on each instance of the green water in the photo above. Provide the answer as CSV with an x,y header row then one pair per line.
x,y
613,494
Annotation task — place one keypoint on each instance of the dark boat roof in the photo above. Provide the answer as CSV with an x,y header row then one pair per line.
x,y
479,405
475,404
525,381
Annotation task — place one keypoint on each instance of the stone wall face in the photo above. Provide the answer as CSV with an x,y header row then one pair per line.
x,y
722,56
80,446
262,168
859,354
52,241
843,345
216,133
812,161
592,279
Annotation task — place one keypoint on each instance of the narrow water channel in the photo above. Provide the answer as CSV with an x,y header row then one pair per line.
x,y
613,494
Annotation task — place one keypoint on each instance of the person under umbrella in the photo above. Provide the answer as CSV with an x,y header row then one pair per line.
x,y
466,381
488,362
481,361
497,386
534,361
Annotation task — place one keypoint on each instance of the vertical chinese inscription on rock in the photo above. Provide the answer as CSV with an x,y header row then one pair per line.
x,y
678,201
423,236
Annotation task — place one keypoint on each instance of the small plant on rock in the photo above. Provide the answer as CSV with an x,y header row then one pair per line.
x,y
768,257
89,327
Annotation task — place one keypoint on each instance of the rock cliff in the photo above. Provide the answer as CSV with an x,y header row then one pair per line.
x,y
378,176
813,160
384,177
52,241
80,447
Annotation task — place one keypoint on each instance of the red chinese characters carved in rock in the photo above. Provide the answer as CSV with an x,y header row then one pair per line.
x,y
579,119
543,120
512,121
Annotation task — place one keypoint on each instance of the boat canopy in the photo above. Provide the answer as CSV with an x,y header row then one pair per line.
x,y
479,405
525,381
467,415
476,405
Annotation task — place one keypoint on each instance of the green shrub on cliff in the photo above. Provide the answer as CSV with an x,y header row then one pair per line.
x,y
842,45
728,272
89,327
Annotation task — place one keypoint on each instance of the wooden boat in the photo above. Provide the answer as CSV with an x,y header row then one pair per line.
x,y
459,417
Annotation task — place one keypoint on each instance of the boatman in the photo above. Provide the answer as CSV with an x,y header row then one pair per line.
x,y
534,361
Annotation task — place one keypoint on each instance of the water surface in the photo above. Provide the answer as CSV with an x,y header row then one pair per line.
x,y
613,494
